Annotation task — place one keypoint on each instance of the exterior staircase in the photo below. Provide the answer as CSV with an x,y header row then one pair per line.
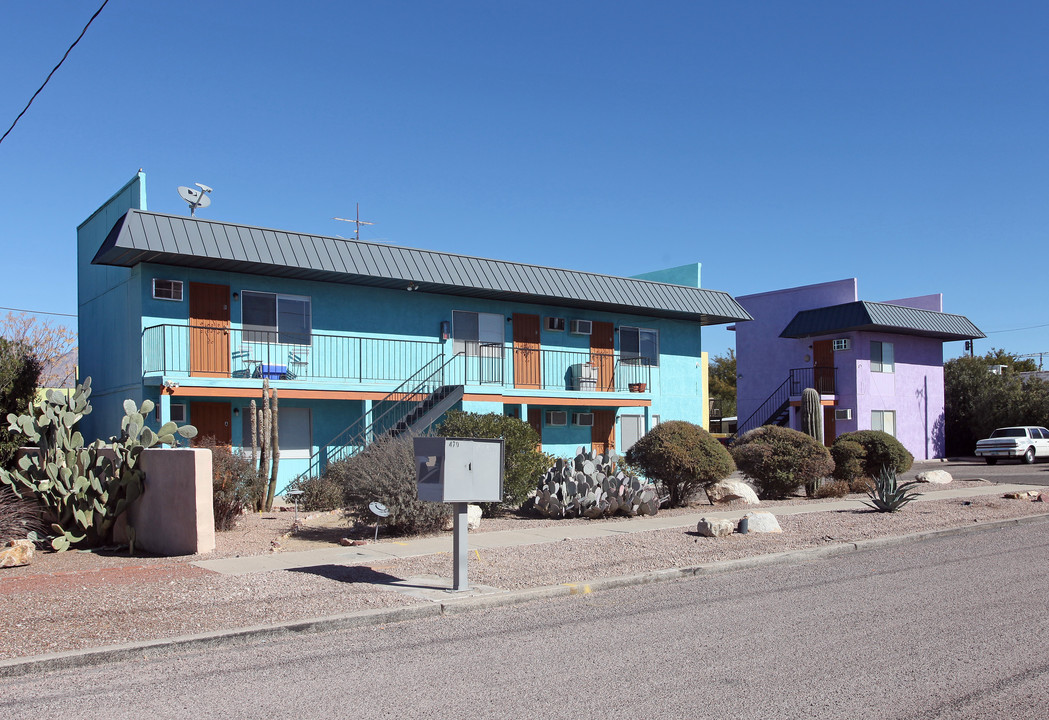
x,y
776,408
415,405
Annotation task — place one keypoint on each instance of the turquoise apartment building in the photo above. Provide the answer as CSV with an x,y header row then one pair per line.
x,y
194,314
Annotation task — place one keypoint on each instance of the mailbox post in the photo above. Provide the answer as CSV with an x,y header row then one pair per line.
x,y
459,471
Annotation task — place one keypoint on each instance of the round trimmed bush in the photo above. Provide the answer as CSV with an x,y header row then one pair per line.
x,y
780,460
882,449
681,457
849,460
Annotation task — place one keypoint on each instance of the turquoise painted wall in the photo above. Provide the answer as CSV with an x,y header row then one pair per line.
x,y
688,275
109,303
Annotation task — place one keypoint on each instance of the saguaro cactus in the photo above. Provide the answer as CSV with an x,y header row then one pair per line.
x,y
812,425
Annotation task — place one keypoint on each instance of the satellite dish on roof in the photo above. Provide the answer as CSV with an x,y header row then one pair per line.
x,y
195,198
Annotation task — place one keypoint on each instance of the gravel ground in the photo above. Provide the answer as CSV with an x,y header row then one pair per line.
x,y
75,600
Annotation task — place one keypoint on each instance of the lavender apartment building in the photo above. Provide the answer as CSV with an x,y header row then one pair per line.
x,y
876,365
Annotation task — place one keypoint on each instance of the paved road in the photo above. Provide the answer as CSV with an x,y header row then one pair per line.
x,y
949,628
1006,471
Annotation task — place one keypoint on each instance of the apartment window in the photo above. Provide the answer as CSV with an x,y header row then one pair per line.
x,y
167,289
478,334
272,317
882,359
639,346
293,430
884,420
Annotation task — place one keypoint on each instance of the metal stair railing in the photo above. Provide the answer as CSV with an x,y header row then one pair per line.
x,y
768,409
359,434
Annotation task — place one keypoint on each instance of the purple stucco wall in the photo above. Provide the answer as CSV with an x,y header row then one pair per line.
x,y
763,358
914,391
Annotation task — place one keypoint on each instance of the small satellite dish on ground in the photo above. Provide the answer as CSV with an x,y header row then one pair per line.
x,y
380,511
195,198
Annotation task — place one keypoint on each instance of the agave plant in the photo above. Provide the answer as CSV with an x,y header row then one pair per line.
x,y
888,495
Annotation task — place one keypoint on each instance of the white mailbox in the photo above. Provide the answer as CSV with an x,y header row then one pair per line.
x,y
459,470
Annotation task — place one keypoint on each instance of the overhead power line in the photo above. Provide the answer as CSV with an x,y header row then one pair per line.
x,y
53,71
37,312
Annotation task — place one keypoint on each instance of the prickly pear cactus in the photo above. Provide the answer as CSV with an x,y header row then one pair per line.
x,y
592,486
80,488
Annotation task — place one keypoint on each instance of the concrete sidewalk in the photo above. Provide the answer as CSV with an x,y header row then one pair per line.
x,y
533,536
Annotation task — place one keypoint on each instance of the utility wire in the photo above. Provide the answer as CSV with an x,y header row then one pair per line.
x,y
37,312
1029,327
53,71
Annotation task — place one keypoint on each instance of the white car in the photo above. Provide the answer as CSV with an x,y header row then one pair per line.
x,y
1027,443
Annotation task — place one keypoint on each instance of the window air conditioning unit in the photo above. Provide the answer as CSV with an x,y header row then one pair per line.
x,y
840,344
178,413
556,417
555,324
585,419
843,414
580,327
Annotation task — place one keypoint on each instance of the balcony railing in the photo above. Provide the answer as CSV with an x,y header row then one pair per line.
x,y
198,350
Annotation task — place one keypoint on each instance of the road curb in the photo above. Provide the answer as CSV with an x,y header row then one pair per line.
x,y
15,667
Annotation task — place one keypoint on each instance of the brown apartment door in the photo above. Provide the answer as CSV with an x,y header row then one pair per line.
x,y
602,354
528,372
830,432
209,330
535,419
823,366
603,431
212,419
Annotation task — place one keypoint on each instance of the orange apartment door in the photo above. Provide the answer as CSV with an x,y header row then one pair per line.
x,y
535,419
830,433
823,366
212,419
603,431
209,330
603,354
528,371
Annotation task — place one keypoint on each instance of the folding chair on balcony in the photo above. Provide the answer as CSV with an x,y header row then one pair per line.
x,y
298,361
243,356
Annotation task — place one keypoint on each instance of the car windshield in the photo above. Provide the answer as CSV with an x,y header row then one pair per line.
x,y
1009,432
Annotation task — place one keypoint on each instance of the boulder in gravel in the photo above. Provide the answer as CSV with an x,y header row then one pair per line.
x,y
936,477
1029,495
728,490
16,553
715,527
762,522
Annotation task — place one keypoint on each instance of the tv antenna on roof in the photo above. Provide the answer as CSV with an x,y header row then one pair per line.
x,y
356,221
195,198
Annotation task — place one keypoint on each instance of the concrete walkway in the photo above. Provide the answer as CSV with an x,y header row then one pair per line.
x,y
554,533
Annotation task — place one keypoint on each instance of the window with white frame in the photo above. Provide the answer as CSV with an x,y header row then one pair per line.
x,y
478,334
167,289
274,317
882,359
293,429
884,420
639,346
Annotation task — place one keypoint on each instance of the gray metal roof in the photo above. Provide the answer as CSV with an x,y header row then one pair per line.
x,y
145,237
881,317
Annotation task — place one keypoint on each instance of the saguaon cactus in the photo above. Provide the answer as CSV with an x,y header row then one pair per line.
x,y
592,486
812,425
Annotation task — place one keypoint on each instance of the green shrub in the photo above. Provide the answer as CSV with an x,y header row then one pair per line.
x,y
882,449
385,472
849,460
321,492
681,458
780,460
524,465
236,486
832,488
19,372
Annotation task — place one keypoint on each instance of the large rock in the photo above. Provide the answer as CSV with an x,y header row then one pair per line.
x,y
762,522
728,490
473,518
16,553
715,527
936,477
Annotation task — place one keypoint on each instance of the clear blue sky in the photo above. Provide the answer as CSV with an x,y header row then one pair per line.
x,y
778,143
